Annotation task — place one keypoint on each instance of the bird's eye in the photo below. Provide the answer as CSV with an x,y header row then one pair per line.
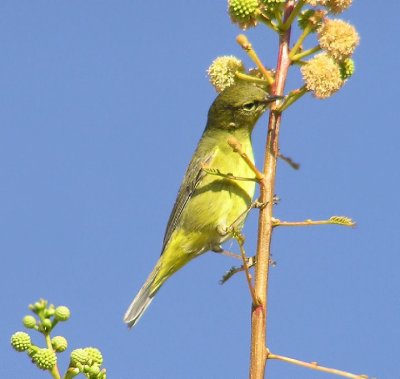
x,y
250,106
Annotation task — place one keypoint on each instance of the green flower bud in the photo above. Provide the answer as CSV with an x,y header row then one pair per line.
x,y
269,7
29,321
20,341
243,12
347,68
102,374
62,313
59,343
222,71
94,370
38,306
32,350
49,311
79,356
94,355
45,359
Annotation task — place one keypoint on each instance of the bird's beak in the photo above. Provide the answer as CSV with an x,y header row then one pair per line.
x,y
272,98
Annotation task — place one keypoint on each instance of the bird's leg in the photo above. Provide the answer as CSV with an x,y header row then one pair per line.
x,y
234,226
219,250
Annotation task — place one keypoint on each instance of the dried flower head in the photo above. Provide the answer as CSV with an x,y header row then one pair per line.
x,y
222,71
337,6
322,76
338,38
315,3
243,12
311,17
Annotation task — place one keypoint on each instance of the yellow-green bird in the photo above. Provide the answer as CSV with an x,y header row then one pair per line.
x,y
208,204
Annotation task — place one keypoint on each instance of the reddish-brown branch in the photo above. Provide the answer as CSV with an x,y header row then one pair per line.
x,y
259,351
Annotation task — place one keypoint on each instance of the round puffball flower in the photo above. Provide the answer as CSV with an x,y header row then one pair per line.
x,y
45,359
338,6
222,71
29,321
315,3
20,341
62,313
243,12
322,76
79,356
94,355
59,343
338,38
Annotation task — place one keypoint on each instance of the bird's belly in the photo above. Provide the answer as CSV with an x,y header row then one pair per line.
x,y
216,204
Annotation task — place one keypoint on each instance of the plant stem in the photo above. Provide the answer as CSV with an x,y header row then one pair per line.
x,y
292,15
250,78
240,241
258,351
316,366
55,373
307,30
305,53
292,97
242,40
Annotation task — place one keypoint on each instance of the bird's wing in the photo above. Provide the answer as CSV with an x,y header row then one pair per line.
x,y
193,176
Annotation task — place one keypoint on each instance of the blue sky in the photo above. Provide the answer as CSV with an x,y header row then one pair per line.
x,y
102,105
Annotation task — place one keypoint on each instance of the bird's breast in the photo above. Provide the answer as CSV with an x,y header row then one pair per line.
x,y
220,201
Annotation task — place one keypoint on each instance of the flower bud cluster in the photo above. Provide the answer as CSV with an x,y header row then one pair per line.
x,y
245,13
87,361
327,72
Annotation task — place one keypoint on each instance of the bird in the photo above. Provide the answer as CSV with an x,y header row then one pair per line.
x,y
206,204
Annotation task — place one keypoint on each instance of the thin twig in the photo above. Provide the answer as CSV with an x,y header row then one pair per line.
x,y
234,270
307,30
289,161
240,240
250,78
267,21
247,47
334,220
216,172
305,53
292,97
237,148
316,366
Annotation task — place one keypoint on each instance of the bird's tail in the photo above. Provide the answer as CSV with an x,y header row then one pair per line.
x,y
142,300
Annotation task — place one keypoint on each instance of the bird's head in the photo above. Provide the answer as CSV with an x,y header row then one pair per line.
x,y
239,106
